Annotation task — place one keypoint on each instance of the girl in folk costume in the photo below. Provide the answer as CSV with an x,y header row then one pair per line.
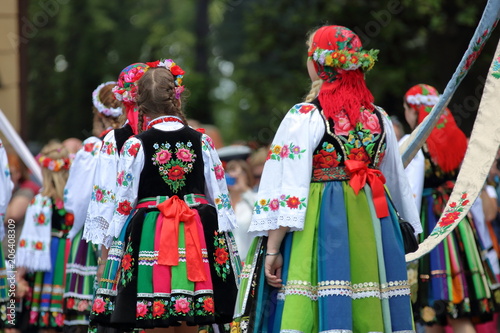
x,y
334,257
102,200
452,286
43,246
102,204
81,268
7,310
178,263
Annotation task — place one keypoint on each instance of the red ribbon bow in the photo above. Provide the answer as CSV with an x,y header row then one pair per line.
x,y
360,174
174,211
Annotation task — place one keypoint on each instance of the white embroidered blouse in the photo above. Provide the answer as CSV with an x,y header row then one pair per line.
x,y
126,181
289,178
78,189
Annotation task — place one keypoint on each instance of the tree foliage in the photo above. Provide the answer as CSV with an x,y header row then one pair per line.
x,y
244,59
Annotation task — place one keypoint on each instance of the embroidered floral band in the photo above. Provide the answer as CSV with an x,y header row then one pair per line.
x,y
328,174
191,199
346,60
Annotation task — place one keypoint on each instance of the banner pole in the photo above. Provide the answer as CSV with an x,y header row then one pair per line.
x,y
20,147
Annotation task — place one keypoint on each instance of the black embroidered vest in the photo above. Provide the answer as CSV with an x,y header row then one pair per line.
x,y
173,163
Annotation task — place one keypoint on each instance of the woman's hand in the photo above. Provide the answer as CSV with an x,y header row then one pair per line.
x,y
273,266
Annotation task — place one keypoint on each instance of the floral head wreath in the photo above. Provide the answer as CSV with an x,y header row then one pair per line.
x,y
422,97
176,71
126,87
337,48
446,133
53,164
107,111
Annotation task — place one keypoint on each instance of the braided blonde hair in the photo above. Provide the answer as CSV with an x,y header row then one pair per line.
x,y
316,85
156,95
313,93
54,181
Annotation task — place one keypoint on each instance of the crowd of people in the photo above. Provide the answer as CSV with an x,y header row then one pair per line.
x,y
151,224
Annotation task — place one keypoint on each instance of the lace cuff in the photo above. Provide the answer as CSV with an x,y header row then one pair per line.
x,y
226,219
116,225
95,229
260,226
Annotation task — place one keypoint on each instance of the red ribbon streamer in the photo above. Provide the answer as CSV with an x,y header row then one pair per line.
x,y
360,175
175,211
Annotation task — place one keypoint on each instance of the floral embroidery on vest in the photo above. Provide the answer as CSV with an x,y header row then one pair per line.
x,y
326,157
173,166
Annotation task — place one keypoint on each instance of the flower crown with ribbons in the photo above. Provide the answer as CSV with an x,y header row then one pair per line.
x,y
176,71
107,111
54,164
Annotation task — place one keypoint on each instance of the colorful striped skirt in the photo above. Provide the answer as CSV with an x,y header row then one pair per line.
x,y
81,270
138,292
452,280
345,272
48,288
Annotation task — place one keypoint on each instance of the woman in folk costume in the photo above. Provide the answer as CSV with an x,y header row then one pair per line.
x,y
102,204
452,286
334,252
43,246
81,268
178,263
7,311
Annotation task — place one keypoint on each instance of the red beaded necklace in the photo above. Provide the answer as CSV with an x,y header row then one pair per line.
x,y
164,119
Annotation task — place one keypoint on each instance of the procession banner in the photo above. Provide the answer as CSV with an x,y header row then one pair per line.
x,y
486,25
481,151
19,146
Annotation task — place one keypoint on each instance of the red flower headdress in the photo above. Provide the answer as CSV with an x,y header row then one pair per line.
x,y
126,91
446,143
53,164
176,71
339,60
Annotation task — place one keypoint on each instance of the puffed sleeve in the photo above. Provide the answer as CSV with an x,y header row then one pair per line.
x,y
415,173
216,187
33,250
127,184
6,186
103,192
78,188
396,179
284,187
